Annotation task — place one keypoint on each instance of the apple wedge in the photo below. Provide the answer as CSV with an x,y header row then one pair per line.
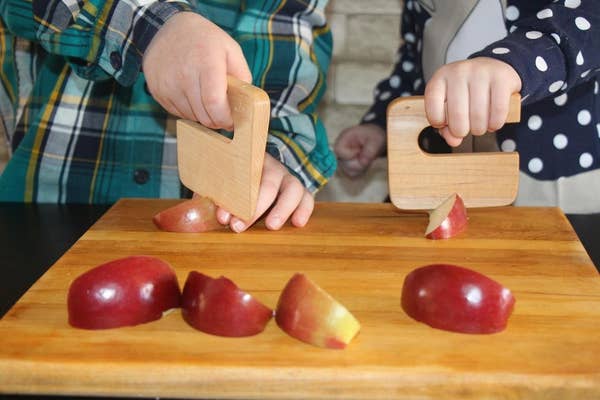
x,y
123,292
456,299
308,313
190,216
218,307
447,220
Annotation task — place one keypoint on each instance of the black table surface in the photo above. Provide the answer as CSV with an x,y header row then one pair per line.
x,y
33,237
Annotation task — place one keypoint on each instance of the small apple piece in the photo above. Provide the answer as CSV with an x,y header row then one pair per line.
x,y
456,299
123,292
219,307
195,215
308,313
447,220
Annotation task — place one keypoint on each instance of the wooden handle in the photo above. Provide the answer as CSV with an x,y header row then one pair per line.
x,y
228,171
421,181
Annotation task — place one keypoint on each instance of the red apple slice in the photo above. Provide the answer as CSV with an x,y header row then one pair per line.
x,y
190,216
448,220
219,307
308,313
124,292
456,299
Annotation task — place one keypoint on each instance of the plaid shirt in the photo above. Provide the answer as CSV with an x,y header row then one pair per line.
x,y
81,123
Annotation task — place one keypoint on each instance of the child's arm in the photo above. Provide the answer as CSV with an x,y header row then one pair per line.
x,y
547,53
288,45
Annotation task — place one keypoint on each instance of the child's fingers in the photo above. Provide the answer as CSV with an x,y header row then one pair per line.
x,y
213,86
452,140
458,108
435,102
499,106
479,111
290,195
304,210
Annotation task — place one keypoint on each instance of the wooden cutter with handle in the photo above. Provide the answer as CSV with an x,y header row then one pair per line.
x,y
422,181
228,171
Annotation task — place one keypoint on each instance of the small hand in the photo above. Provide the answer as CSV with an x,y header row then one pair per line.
x,y
186,67
281,191
470,96
357,147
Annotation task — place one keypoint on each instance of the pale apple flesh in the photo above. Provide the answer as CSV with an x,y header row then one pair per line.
x,y
219,307
456,299
123,292
447,220
195,215
308,313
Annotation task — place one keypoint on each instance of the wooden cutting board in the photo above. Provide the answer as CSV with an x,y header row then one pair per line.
x,y
360,253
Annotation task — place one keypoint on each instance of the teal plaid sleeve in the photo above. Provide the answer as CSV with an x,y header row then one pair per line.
x,y
82,130
288,47
103,38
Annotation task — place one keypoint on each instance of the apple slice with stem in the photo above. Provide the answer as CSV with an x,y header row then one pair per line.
x,y
456,299
195,215
123,292
218,307
308,313
447,220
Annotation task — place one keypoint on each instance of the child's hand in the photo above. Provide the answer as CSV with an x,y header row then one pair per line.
x,y
281,190
357,147
186,67
474,94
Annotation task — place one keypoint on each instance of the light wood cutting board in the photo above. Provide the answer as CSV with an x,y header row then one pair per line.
x,y
360,253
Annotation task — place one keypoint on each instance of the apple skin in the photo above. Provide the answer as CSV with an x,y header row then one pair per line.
x,y
308,313
219,307
123,292
195,215
456,299
444,223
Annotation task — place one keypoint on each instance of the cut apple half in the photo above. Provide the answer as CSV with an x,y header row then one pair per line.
x,y
308,313
218,307
456,299
195,215
447,220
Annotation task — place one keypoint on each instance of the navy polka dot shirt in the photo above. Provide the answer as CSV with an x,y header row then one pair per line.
x,y
555,48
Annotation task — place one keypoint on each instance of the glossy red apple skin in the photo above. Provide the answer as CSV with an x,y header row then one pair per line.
x,y
190,216
217,306
456,299
123,292
308,313
454,222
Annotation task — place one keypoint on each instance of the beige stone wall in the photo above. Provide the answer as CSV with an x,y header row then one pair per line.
x,y
366,36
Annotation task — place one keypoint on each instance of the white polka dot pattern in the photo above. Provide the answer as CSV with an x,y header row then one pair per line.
x,y
535,165
584,117
533,35
560,141
582,23
508,145
586,160
555,87
545,13
534,122
541,64
512,13
501,50
561,100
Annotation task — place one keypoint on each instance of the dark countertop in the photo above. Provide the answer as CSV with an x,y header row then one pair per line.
x,y
33,237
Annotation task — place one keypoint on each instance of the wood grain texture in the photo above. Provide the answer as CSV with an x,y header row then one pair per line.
x,y
227,171
422,181
360,253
